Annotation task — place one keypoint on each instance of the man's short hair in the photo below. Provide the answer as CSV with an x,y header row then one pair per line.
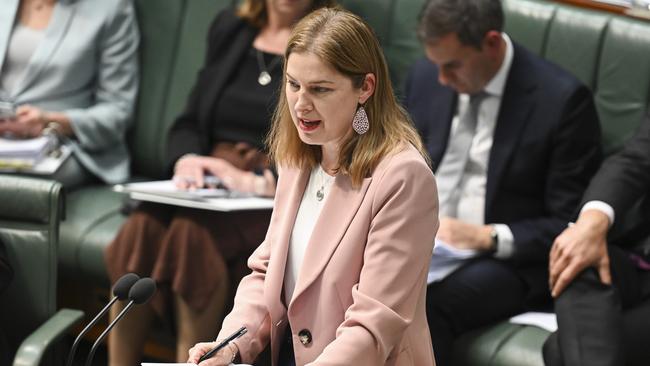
x,y
469,19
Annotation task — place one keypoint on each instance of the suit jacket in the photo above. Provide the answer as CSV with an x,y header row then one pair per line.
x,y
229,39
361,289
546,147
87,67
623,182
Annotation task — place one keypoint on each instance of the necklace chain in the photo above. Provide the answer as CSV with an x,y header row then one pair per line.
x,y
320,193
265,78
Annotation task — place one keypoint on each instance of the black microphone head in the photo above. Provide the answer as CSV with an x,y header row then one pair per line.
x,y
123,285
142,290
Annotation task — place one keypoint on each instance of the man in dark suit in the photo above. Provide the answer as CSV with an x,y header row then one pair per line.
x,y
514,141
591,281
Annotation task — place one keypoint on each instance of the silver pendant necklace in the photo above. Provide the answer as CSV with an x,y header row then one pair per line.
x,y
320,192
265,78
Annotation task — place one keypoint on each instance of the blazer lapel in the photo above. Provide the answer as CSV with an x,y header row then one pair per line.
x,y
516,105
7,19
334,219
54,35
297,182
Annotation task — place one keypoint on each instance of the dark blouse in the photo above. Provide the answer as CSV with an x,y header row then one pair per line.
x,y
244,111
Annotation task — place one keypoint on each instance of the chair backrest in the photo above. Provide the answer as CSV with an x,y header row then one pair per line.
x,y
173,40
394,23
610,53
29,221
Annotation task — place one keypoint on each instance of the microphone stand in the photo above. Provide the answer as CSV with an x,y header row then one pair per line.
x,y
101,337
75,344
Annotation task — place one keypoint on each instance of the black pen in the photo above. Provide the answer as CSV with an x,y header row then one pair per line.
x,y
240,332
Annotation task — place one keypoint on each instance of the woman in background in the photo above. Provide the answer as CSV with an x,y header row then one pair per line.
x,y
341,277
72,66
196,256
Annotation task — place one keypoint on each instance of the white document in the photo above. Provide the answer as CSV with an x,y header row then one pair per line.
x,y
168,188
446,259
547,321
165,192
24,147
47,164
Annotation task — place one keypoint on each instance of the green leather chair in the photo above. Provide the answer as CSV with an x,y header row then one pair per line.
x,y
29,219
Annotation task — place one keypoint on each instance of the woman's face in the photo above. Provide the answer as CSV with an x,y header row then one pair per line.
x,y
294,9
322,101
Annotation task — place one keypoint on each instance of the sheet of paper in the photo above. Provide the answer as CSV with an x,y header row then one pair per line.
x,y
168,188
546,321
165,192
446,259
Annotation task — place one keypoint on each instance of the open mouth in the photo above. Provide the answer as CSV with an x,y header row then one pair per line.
x,y
308,125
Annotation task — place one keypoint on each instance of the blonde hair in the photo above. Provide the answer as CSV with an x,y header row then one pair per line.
x,y
347,43
254,11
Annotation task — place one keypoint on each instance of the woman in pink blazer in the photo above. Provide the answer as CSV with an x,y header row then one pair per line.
x,y
341,277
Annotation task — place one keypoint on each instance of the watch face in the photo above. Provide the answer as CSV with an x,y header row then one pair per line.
x,y
494,234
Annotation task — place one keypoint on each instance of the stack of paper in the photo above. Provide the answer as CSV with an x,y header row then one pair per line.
x,y
24,154
446,259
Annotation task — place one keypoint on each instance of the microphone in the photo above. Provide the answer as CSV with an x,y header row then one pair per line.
x,y
140,293
120,292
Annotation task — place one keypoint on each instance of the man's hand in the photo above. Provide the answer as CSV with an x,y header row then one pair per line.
x,y
581,245
463,235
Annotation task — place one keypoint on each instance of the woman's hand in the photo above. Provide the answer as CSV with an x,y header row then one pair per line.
x,y
222,358
189,173
28,122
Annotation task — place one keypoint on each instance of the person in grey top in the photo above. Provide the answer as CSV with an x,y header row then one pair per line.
x,y
72,66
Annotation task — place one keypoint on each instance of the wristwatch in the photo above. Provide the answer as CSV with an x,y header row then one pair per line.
x,y
494,236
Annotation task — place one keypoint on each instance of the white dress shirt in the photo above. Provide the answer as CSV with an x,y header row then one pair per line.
x,y
601,206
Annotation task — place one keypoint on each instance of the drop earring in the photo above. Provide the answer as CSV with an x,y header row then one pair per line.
x,y
360,123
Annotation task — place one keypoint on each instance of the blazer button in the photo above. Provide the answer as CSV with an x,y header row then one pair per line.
x,y
305,337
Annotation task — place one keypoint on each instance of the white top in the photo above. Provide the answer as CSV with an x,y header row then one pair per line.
x,y
470,198
22,45
308,213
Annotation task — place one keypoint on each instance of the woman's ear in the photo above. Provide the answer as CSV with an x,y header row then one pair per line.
x,y
367,88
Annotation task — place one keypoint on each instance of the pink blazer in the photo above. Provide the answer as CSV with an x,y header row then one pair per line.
x,y
360,294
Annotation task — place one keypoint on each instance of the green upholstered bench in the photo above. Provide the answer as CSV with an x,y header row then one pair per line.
x,y
608,52
29,223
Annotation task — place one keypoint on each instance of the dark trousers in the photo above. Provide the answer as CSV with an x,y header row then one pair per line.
x,y
287,357
481,292
600,325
